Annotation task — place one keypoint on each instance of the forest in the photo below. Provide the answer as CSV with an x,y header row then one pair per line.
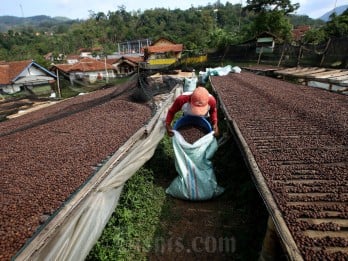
x,y
200,29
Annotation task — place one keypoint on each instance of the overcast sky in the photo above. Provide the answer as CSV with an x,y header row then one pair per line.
x,y
79,9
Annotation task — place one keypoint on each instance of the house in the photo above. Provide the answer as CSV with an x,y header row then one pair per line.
x,y
265,42
73,58
125,65
90,52
162,52
18,75
87,70
51,57
299,32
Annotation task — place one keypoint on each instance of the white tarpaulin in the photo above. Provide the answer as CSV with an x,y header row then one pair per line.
x,y
72,233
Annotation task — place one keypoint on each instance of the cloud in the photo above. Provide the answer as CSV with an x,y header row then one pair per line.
x,y
316,9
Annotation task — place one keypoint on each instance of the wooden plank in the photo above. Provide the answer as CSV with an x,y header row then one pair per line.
x,y
343,84
288,70
323,75
342,73
338,79
317,203
324,234
341,77
317,221
307,69
332,249
312,194
310,72
296,70
260,68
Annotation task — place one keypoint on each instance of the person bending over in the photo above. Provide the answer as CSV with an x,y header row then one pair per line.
x,y
198,103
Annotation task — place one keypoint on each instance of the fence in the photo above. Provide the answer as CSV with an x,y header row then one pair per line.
x,y
333,53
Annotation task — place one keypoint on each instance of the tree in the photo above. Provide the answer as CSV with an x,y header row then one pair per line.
x,y
274,22
260,6
219,38
314,36
271,16
338,25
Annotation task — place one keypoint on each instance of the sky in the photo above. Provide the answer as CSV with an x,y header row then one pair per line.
x,y
80,9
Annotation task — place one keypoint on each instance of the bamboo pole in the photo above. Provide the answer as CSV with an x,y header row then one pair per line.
x,y
258,60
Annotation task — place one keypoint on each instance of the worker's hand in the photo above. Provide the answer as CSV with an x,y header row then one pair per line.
x,y
169,130
216,130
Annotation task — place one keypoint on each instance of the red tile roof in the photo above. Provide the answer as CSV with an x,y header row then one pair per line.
x,y
300,31
113,60
63,67
162,40
85,65
134,59
165,48
10,70
73,57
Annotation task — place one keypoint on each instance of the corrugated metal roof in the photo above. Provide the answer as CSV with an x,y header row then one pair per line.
x,y
265,40
10,71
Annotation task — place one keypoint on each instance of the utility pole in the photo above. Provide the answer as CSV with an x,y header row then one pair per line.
x,y
240,14
335,6
20,5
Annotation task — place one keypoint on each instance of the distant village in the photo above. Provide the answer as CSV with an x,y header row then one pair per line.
x,y
88,66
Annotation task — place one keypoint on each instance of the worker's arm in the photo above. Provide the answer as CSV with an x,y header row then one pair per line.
x,y
171,114
213,115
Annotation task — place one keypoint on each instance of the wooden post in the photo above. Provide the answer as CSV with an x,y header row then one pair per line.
x,y
58,85
299,56
324,53
270,243
282,55
258,61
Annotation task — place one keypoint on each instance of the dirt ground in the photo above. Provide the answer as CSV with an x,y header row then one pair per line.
x,y
229,227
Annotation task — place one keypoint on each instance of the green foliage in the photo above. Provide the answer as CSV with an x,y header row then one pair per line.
x,y
193,27
199,28
260,6
220,39
314,36
297,20
275,22
338,25
40,23
130,230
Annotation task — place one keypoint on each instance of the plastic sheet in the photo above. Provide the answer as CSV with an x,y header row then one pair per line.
x,y
190,84
196,178
218,71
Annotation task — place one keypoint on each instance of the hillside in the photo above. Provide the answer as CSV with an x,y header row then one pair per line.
x,y
41,22
338,10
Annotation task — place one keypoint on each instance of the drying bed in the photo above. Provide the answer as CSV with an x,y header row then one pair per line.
x,y
49,154
298,138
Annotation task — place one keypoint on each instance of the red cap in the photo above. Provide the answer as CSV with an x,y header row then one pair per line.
x,y
199,101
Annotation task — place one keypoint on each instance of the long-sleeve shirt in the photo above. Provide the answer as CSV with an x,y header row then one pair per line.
x,y
183,100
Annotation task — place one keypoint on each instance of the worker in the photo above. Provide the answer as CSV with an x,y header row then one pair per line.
x,y
198,103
